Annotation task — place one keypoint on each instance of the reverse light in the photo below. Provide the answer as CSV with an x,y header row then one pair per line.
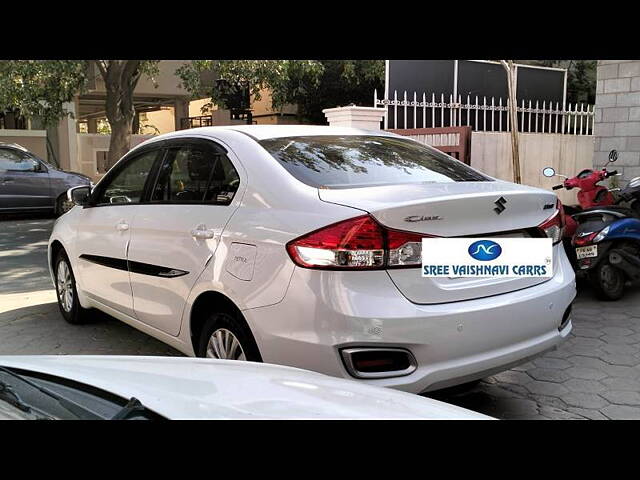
x,y
553,226
357,243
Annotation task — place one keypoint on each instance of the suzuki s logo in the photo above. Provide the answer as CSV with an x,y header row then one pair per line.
x,y
500,205
484,250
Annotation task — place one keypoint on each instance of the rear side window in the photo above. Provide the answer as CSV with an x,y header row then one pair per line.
x,y
195,174
351,161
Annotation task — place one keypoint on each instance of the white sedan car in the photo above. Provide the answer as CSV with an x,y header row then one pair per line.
x,y
301,246
155,388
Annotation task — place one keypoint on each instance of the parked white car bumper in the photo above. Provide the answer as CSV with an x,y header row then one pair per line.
x,y
326,311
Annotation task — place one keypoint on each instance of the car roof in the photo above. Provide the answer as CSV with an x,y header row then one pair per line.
x,y
13,145
262,132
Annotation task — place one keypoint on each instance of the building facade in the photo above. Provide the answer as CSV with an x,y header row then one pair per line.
x,y
81,142
617,116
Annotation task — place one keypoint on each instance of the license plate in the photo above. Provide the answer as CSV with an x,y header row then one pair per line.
x,y
587,252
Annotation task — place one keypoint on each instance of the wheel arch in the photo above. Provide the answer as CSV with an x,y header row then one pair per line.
x,y
207,302
55,248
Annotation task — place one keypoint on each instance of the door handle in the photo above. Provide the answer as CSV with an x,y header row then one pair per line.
x,y
7,180
201,232
122,226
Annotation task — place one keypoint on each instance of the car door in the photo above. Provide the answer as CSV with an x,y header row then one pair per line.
x,y
175,234
24,181
104,231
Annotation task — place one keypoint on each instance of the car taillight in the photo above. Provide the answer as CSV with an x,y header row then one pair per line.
x,y
357,243
553,226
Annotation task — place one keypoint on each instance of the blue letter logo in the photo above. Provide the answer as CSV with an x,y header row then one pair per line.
x,y
485,250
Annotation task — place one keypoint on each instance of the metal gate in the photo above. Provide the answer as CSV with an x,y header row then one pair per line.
x,y
454,141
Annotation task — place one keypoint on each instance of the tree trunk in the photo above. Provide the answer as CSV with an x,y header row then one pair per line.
x,y
120,78
120,141
135,125
513,118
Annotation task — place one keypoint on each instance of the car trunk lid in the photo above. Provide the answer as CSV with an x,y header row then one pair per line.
x,y
452,209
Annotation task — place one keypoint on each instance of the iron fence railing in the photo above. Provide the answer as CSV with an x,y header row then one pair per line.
x,y
485,115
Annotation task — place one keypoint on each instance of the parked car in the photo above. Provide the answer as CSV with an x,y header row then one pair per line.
x,y
28,183
155,388
301,246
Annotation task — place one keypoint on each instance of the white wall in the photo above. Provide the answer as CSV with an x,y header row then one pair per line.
x,y
88,143
568,154
33,140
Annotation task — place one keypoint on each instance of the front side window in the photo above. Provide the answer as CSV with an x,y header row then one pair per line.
x,y
335,161
195,174
14,161
127,185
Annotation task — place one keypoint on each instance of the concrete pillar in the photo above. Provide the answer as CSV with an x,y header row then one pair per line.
x,y
68,140
181,110
366,118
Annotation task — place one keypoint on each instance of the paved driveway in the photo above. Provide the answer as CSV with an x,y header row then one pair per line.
x,y
595,374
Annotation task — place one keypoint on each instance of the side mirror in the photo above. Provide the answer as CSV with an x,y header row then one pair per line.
x,y
79,195
548,172
613,155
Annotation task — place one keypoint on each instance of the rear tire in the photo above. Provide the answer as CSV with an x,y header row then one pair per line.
x,y
225,336
66,291
607,281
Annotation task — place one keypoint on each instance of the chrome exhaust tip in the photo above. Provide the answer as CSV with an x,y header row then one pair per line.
x,y
374,362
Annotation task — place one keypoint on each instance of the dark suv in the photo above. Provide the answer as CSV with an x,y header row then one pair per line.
x,y
28,183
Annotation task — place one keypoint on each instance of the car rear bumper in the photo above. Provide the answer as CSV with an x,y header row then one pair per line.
x,y
324,312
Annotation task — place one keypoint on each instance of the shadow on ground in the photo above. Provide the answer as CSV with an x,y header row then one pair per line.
x,y
41,330
23,253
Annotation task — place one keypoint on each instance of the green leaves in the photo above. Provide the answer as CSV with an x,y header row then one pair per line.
x,y
227,78
581,78
310,84
39,88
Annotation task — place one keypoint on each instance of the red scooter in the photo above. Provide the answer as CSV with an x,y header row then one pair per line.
x,y
591,195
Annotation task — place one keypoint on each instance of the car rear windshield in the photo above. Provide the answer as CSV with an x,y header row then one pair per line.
x,y
333,161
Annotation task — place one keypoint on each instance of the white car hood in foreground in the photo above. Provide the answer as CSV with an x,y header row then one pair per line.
x,y
194,388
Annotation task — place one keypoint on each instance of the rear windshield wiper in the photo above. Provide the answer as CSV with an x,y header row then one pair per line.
x,y
73,407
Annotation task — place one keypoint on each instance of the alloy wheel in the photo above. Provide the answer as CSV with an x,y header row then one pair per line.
x,y
223,344
65,287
